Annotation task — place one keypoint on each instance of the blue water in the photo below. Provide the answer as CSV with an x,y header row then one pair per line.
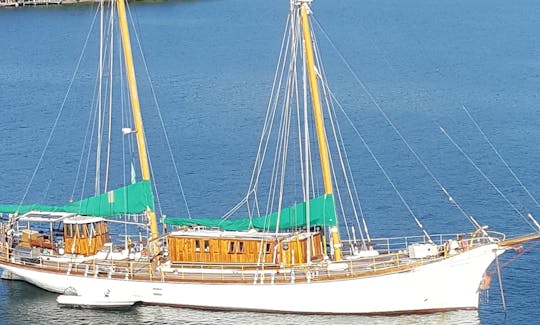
x,y
212,64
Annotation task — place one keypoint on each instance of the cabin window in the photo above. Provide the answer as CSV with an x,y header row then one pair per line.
x,y
104,228
231,247
68,230
206,246
83,231
197,245
91,230
268,248
241,247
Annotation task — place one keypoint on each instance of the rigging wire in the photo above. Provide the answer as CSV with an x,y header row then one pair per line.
x,y
490,143
485,176
62,106
374,101
305,162
99,101
451,199
346,170
389,121
156,103
499,277
279,150
368,148
98,119
303,128
342,151
499,155
91,126
520,253
88,138
268,122
284,137
111,65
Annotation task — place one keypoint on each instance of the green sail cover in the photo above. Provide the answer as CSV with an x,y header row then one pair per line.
x,y
321,213
131,199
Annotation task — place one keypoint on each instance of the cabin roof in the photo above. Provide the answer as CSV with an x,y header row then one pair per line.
x,y
38,216
82,220
65,217
211,233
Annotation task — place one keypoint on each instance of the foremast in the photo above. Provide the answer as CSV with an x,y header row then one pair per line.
x,y
318,116
137,117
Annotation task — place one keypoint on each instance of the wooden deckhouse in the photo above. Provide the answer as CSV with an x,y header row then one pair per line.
x,y
85,235
77,228
280,238
251,247
62,233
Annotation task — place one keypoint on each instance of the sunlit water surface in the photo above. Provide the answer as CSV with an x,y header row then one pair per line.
x,y
212,64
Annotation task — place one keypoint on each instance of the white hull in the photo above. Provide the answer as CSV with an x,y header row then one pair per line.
x,y
451,283
103,301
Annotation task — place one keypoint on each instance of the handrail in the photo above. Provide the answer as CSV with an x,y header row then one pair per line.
x,y
393,261
393,244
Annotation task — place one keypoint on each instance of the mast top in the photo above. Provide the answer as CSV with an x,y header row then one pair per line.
x,y
301,2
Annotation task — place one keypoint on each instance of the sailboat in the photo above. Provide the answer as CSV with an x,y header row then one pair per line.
x,y
287,253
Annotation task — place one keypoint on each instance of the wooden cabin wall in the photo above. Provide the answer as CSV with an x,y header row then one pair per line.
x,y
317,247
293,251
218,250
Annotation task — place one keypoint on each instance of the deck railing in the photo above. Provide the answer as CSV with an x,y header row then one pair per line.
x,y
396,244
21,3
393,256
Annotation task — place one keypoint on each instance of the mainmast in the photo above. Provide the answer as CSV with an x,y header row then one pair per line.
x,y
319,121
137,117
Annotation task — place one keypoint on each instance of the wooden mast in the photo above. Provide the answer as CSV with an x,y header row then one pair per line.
x,y
137,117
319,122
